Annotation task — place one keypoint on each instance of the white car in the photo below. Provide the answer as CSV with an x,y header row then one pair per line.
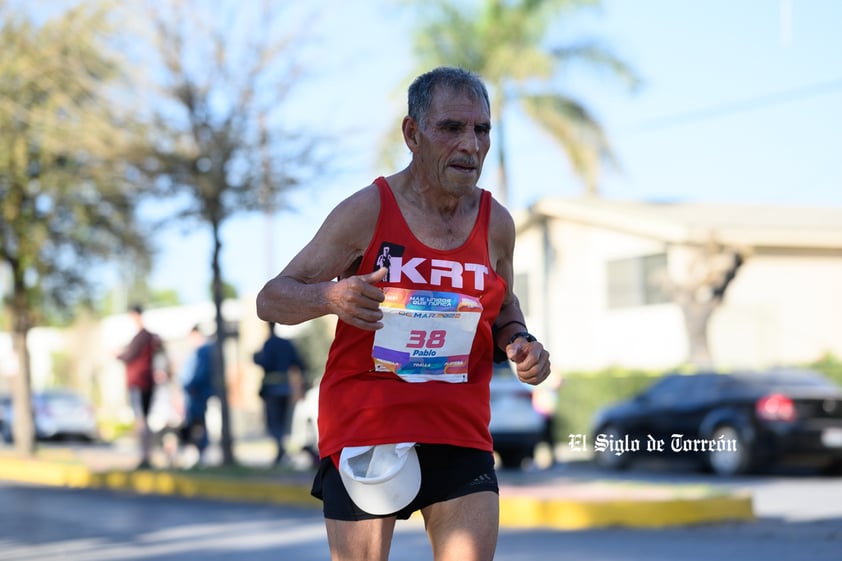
x,y
304,426
57,414
516,426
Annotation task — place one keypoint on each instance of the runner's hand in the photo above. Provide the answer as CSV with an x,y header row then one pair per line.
x,y
357,300
531,360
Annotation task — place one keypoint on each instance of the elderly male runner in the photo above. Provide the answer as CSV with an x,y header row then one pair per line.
x,y
412,358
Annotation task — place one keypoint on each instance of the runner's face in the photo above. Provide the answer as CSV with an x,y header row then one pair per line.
x,y
454,140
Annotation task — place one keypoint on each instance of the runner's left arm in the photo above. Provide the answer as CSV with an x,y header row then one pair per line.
x,y
530,359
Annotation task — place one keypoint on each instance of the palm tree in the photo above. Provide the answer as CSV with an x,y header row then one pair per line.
x,y
506,43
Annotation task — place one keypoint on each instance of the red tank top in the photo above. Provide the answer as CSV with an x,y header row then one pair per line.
x,y
363,404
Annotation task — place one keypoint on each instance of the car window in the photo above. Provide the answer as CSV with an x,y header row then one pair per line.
x,y
705,388
670,389
675,389
64,399
782,380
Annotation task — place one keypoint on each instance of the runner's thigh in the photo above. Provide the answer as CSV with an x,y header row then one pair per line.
x,y
465,528
362,540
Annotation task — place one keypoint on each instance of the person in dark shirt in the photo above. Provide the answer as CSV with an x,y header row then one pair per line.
x,y
196,378
282,386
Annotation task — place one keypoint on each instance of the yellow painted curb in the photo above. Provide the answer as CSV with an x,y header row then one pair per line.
x,y
153,482
515,512
44,473
165,483
565,514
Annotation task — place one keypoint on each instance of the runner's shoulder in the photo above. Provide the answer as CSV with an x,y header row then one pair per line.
x,y
361,205
352,222
503,230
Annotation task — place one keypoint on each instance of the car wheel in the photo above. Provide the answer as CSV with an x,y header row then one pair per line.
x,y
608,459
729,462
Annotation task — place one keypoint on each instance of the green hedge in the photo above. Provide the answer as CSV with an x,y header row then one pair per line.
x,y
581,394
830,366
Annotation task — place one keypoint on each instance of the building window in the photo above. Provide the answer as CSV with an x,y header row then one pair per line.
x,y
636,281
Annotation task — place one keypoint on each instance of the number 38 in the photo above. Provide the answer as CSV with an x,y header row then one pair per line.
x,y
420,339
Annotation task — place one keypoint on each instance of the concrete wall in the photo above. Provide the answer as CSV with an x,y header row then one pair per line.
x,y
784,306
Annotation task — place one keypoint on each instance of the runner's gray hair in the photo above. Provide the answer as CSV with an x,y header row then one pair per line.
x,y
420,96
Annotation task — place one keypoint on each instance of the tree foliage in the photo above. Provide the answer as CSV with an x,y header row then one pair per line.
x,y
66,199
510,45
66,195
217,133
219,145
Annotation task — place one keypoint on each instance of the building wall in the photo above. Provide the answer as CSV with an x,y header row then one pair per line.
x,y
783,307
572,314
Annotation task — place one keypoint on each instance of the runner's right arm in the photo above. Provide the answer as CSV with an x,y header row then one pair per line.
x,y
307,287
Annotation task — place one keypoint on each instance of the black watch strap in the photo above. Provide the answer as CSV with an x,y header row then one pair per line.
x,y
525,334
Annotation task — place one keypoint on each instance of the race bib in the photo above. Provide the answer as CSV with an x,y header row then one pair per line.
x,y
426,335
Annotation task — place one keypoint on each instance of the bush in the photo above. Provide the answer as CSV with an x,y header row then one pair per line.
x,y
582,394
112,429
829,365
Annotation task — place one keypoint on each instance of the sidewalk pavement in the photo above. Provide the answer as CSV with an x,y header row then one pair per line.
x,y
557,498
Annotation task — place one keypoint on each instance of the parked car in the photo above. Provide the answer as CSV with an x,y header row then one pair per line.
x,y
57,414
304,428
5,403
731,423
516,426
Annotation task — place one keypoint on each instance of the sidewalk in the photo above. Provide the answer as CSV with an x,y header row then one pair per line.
x,y
552,498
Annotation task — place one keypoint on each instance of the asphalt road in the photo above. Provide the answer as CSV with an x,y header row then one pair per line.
x,y
56,524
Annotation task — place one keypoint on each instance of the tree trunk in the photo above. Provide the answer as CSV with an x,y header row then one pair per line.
x,y
711,273
499,136
23,423
696,319
219,355
502,176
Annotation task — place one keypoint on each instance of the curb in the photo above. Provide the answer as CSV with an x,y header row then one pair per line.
x,y
154,482
566,514
517,510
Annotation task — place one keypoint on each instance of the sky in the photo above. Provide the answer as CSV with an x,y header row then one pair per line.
x,y
740,102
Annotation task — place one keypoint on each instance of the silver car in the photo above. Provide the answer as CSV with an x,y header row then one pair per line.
x,y
57,414
516,426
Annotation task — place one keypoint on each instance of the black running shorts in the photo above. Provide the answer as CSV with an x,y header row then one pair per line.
x,y
447,472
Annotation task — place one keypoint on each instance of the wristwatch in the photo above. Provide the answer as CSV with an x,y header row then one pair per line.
x,y
525,334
